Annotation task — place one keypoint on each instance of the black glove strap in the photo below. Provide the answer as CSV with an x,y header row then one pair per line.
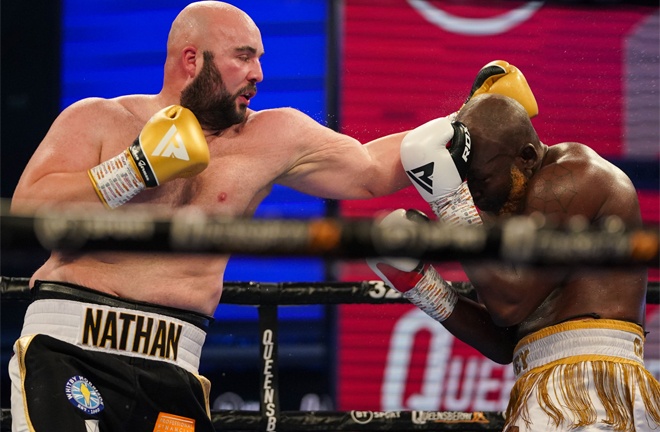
x,y
460,148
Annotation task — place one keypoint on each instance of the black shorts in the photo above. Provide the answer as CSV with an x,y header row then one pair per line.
x,y
69,386
65,385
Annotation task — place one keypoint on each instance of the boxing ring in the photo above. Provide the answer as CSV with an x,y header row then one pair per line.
x,y
520,240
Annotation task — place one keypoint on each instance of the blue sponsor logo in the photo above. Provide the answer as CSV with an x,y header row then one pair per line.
x,y
83,395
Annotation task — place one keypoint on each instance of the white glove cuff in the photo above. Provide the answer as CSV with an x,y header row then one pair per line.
x,y
457,208
115,180
433,295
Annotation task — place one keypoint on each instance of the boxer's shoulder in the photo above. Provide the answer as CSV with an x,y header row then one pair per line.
x,y
99,111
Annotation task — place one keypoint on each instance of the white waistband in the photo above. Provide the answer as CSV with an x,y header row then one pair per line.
x,y
580,341
117,330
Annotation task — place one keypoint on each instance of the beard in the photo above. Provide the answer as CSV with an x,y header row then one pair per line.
x,y
515,200
208,98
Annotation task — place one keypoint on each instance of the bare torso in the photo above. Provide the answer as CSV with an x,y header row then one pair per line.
x,y
590,294
234,184
272,146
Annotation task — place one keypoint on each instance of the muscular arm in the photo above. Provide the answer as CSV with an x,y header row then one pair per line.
x,y
57,172
336,166
512,293
495,342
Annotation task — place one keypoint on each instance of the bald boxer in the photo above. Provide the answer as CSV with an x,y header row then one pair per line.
x,y
575,336
113,340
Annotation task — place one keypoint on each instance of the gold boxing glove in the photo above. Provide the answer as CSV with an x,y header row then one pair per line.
x,y
503,78
171,145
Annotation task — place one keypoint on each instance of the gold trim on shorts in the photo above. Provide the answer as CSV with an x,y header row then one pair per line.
x,y
607,352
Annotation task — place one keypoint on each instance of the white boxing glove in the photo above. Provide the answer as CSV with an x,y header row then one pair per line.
x,y
420,284
435,156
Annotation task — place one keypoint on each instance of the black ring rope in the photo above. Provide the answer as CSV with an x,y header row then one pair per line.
x,y
525,240
267,296
333,421
298,293
302,421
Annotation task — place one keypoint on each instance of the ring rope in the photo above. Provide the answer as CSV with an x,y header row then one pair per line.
x,y
363,421
298,293
521,239
310,421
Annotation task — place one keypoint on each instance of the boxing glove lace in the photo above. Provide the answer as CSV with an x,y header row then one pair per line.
x,y
171,145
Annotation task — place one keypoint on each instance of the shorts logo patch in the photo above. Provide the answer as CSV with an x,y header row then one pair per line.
x,y
83,395
170,422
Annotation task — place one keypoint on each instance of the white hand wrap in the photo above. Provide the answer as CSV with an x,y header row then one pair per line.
x,y
457,208
116,181
433,295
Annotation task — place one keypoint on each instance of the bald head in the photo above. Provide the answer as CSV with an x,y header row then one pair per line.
x,y
204,23
499,121
506,152
214,30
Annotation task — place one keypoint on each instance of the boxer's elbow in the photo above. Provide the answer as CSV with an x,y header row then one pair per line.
x,y
379,183
20,204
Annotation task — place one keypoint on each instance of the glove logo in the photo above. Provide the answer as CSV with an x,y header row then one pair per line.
x,y
171,145
468,145
423,176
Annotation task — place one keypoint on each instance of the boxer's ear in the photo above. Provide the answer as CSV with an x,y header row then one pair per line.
x,y
528,156
190,60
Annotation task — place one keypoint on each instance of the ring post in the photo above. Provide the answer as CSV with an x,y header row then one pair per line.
x,y
269,383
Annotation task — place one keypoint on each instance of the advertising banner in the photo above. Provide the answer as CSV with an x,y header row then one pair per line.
x,y
594,71
394,357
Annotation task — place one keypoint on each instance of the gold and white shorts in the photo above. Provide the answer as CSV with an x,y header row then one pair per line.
x,y
585,375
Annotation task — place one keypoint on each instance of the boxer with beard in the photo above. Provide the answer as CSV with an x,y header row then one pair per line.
x,y
112,340
575,335
207,96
